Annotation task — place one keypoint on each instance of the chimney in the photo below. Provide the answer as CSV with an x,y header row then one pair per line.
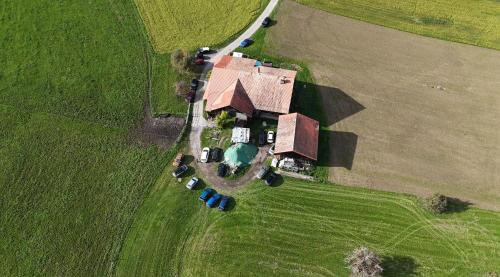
x,y
283,80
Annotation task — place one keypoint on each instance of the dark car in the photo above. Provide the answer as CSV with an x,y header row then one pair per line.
x,y
216,154
212,202
194,84
205,194
180,170
245,43
224,203
199,55
271,178
266,22
262,138
221,170
262,172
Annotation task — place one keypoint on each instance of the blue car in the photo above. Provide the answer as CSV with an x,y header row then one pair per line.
x,y
224,203
205,194
213,200
245,43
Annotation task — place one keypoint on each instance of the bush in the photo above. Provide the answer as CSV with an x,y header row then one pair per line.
x,y
437,203
179,59
222,119
181,88
364,263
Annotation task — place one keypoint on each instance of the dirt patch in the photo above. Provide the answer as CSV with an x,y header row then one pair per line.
x,y
159,131
406,113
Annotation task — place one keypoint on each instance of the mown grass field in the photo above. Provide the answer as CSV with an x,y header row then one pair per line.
x,y
195,23
472,22
72,85
300,229
164,99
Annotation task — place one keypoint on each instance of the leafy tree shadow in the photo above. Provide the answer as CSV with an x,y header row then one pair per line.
x,y
399,266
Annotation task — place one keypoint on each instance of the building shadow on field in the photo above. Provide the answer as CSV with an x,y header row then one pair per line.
x,y
337,149
311,99
399,266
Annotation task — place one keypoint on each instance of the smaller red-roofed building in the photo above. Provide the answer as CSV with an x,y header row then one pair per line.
x,y
297,136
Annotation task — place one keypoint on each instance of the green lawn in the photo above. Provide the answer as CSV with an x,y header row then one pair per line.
x,y
72,84
164,98
302,228
191,24
472,22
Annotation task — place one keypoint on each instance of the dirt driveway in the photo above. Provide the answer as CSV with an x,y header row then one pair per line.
x,y
406,113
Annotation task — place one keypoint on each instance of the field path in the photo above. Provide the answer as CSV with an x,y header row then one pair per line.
x,y
199,122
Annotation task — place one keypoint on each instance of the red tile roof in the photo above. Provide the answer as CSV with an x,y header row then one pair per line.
x,y
263,86
299,134
233,96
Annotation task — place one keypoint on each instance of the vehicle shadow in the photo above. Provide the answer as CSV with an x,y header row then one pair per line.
x,y
231,205
201,185
399,266
188,159
278,182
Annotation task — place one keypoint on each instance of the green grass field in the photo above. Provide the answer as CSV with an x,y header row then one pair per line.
x,y
72,84
195,23
164,99
472,22
302,228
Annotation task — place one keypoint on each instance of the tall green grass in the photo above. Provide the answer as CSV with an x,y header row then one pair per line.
x,y
72,86
472,22
191,24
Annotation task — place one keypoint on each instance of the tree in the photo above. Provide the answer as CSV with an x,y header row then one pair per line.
x,y
364,263
222,119
179,59
437,203
181,88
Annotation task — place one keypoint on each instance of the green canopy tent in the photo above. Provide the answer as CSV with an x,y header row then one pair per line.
x,y
240,154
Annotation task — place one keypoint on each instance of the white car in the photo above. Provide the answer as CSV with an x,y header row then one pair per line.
x,y
270,137
192,183
204,155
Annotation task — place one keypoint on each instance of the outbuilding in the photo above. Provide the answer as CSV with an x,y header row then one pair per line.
x,y
297,137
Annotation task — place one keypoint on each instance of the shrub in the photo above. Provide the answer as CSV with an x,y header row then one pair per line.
x,y
437,203
179,59
181,88
222,119
364,263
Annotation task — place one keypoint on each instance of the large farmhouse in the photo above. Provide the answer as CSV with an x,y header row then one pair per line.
x,y
243,85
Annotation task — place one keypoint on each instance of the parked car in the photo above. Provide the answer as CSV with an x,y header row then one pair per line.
x,y
194,84
178,160
271,150
224,203
213,200
205,194
180,170
192,183
262,138
270,136
216,154
199,61
271,177
199,55
262,172
266,22
246,42
204,50
222,170
204,155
